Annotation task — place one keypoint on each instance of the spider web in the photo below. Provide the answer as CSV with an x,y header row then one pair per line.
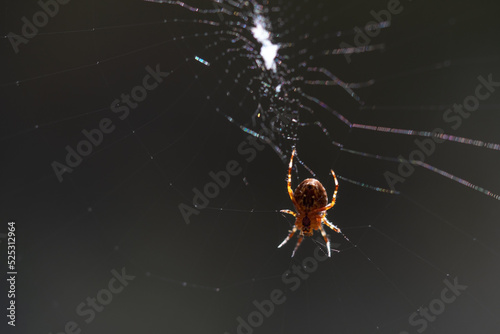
x,y
201,269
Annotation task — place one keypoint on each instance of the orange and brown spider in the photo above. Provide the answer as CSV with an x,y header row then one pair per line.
x,y
310,201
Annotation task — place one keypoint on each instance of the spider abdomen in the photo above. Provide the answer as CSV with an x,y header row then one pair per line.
x,y
310,194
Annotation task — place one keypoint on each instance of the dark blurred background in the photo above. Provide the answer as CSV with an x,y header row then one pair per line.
x,y
119,208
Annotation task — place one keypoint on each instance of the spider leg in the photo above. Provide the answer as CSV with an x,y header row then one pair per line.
x,y
299,241
290,235
334,227
327,240
289,179
334,197
290,212
330,225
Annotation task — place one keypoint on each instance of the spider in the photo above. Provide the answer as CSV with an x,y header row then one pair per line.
x,y
310,201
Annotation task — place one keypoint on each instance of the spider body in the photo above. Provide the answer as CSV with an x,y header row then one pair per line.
x,y
311,203
309,195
